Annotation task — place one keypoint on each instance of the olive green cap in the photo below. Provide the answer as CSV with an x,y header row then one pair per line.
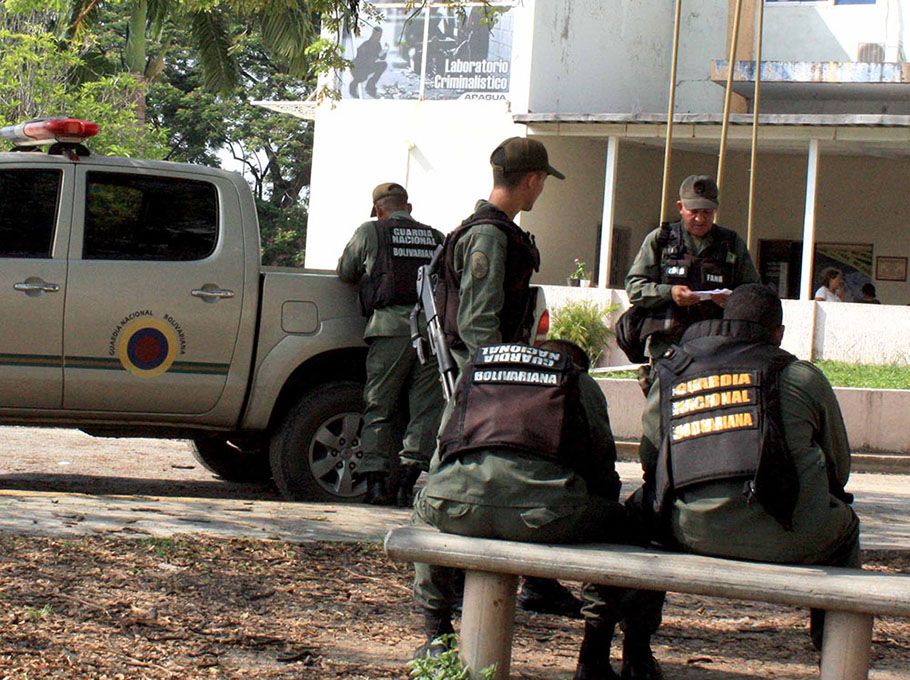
x,y
698,192
385,190
518,154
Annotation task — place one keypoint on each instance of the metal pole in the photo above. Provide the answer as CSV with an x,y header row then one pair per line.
x,y
728,94
606,225
805,286
670,106
755,99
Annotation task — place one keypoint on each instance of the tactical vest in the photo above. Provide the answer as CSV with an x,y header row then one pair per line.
x,y
517,397
714,268
720,416
522,260
404,245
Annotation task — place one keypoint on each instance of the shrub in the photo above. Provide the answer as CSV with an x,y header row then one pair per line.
x,y
585,323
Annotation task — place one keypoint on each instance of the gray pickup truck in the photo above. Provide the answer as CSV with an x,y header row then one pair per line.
x,y
134,304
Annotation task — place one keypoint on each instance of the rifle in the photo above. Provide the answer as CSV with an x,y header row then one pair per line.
x,y
427,279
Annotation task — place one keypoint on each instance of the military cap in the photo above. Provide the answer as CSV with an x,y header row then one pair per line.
x,y
518,154
385,190
698,192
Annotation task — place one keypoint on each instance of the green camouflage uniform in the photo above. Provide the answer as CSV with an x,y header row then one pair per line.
x,y
509,495
716,519
392,370
643,280
480,260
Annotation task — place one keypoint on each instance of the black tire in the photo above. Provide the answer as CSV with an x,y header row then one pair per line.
x,y
316,450
234,459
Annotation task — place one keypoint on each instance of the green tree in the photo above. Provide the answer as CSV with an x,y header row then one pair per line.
x,y
36,81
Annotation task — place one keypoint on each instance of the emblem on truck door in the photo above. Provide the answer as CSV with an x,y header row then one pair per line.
x,y
147,347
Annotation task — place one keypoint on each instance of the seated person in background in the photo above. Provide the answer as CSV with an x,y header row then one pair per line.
x,y
832,288
727,399
868,291
527,455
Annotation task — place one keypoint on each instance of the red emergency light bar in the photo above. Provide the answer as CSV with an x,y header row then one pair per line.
x,y
49,131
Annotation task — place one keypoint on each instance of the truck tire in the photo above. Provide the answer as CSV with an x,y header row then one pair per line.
x,y
316,450
235,459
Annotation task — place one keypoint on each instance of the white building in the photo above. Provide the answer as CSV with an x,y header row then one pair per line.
x,y
590,78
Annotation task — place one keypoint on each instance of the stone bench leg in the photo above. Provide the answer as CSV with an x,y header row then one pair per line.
x,y
488,613
846,646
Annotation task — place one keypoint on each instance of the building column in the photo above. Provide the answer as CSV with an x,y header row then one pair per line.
x,y
606,223
805,284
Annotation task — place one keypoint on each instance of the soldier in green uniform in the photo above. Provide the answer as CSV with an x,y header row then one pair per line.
x,y
383,256
728,399
485,296
678,260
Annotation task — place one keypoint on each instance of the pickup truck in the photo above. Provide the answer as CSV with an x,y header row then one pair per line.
x,y
134,304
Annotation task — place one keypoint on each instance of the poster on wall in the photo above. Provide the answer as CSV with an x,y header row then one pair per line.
x,y
854,260
436,50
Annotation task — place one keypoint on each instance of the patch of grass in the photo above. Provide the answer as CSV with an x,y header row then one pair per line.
x,y
162,546
446,666
38,613
843,374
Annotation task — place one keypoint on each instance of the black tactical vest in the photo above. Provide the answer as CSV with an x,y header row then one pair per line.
x,y
714,268
517,397
720,416
522,260
404,245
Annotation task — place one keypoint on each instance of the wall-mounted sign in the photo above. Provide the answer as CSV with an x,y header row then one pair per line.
x,y
436,52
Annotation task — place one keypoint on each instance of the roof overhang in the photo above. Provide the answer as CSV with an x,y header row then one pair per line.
x,y
842,134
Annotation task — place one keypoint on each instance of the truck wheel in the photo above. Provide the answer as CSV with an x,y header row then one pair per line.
x,y
316,451
237,459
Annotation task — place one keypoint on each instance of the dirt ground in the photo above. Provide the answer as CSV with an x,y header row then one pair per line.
x,y
192,606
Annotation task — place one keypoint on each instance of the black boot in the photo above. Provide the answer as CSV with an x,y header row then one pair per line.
x,y
594,656
548,596
638,663
377,489
406,481
436,623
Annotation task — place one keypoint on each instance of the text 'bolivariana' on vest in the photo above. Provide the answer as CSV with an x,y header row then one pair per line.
x,y
698,428
713,400
516,354
516,377
422,253
712,382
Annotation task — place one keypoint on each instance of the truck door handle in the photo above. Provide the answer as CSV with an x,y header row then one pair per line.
x,y
212,294
32,287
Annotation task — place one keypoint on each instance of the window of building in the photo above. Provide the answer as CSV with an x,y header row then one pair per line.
x,y
138,217
28,212
434,52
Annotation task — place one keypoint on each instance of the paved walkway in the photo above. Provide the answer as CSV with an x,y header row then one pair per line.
x,y
882,502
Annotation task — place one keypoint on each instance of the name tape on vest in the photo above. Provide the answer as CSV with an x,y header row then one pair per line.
x,y
704,402
706,426
712,382
516,354
413,237
423,253
516,377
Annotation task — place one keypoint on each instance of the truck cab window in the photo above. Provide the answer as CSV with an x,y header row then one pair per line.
x,y
28,212
141,217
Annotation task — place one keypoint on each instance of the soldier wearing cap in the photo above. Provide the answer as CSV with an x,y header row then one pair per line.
x,y
678,260
383,256
489,260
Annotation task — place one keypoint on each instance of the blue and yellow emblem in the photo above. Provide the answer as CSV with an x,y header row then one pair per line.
x,y
147,347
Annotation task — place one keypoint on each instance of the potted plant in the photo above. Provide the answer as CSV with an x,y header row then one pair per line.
x,y
581,276
585,323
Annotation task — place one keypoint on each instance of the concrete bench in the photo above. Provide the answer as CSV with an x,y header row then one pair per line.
x,y
850,597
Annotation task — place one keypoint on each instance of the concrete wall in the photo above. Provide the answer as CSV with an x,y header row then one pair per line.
x,y
833,32
874,418
863,334
439,151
